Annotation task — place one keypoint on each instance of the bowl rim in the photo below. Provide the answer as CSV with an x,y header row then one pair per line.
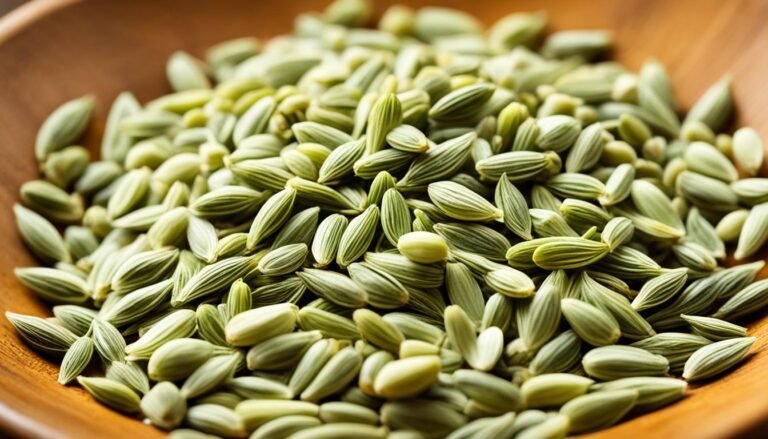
x,y
26,14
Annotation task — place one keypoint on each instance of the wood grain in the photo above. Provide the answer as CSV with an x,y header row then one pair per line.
x,y
49,54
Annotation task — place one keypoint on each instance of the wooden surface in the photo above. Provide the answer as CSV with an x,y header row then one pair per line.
x,y
49,54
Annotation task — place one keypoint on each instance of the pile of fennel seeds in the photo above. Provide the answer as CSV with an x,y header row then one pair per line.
x,y
424,230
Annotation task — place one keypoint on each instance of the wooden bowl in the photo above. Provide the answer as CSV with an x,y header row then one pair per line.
x,y
51,51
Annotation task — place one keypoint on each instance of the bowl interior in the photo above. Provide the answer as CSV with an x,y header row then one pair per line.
x,y
49,55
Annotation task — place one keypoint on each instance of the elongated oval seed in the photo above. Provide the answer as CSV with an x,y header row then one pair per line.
x,y
143,269
593,325
619,185
164,405
214,277
357,236
510,282
328,323
370,370
461,203
63,126
586,151
378,331
261,175
51,201
339,412
75,318
701,232
716,358
514,208
212,374
384,291
750,299
558,355
423,247
178,358
281,351
567,253
660,289
271,216
335,287
498,312
130,190
413,327
430,418
254,387
519,166
579,186
178,324
653,203
461,103
653,392
554,389
340,161
707,160
407,138
488,389
541,318
76,359
111,393
342,430
706,192
438,162
407,377
490,344
138,303
54,285
108,341
210,324
311,363
251,327
754,233
41,334
129,373
216,419
409,273
598,410
714,106
751,190
283,260
334,376
617,231
613,362
557,132
547,223
256,412
461,331
748,150
463,290
327,238
40,235
729,227
395,217
714,329
386,114
285,426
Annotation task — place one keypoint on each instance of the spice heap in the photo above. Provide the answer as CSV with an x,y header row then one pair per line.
x,y
422,230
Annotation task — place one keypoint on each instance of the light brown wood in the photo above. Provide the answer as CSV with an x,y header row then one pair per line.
x,y
53,51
